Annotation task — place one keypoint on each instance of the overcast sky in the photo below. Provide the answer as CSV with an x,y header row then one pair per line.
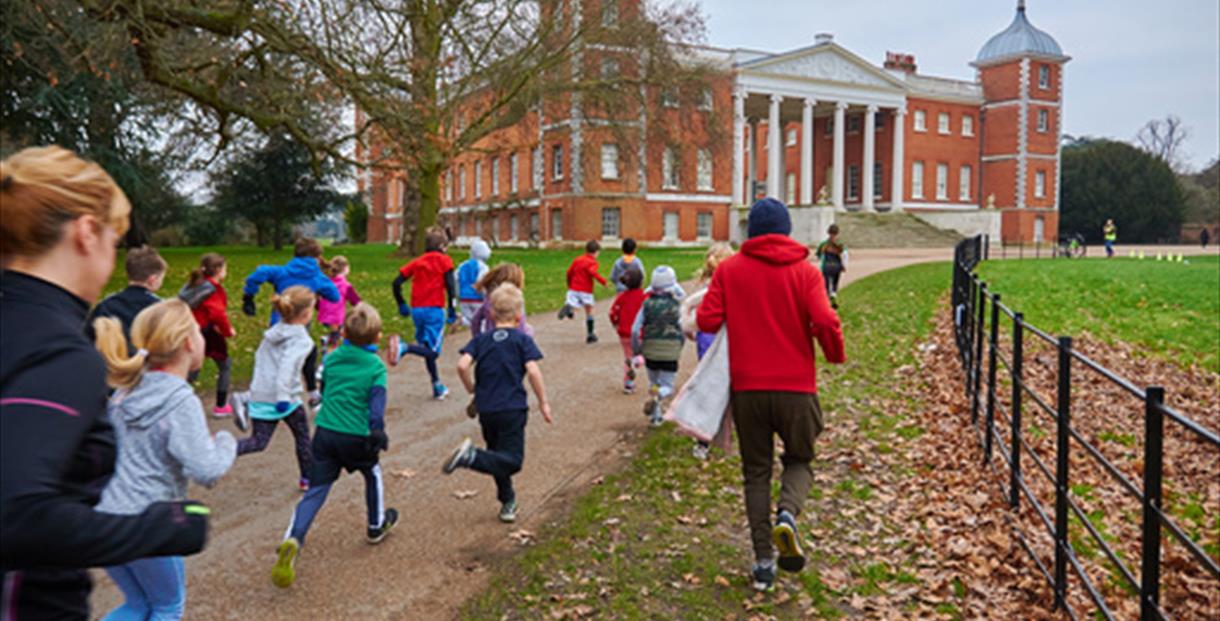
x,y
1131,60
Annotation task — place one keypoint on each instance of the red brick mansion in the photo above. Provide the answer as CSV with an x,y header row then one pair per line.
x,y
976,155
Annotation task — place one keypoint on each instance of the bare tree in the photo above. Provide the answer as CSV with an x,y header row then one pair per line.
x,y
1165,139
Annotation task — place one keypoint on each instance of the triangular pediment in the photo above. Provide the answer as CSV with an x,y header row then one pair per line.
x,y
826,61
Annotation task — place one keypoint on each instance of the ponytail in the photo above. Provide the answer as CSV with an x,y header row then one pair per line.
x,y
209,265
159,333
292,302
122,370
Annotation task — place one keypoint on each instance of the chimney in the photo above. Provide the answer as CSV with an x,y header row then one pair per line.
x,y
900,61
823,38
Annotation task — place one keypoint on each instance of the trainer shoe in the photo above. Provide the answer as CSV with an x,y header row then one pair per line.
x,y
653,401
656,420
394,350
240,401
763,577
439,391
630,370
376,535
315,399
787,540
303,484
592,338
628,388
508,512
565,312
834,300
224,411
700,451
284,571
462,457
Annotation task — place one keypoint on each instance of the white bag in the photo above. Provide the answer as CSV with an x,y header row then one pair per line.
x,y
700,407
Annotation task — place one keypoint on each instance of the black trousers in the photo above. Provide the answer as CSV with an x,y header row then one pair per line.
x,y
504,433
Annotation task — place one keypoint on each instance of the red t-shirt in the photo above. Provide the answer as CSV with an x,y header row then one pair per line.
x,y
582,272
626,307
427,273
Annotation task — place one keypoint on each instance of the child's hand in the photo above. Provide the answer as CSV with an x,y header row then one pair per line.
x,y
247,305
377,441
232,332
404,309
546,413
282,406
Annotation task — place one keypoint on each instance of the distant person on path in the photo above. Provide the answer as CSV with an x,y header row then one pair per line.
x,y
60,219
581,274
469,274
622,316
145,273
774,304
716,254
209,302
501,360
163,443
1204,237
657,336
1110,233
350,435
332,314
433,305
623,263
832,252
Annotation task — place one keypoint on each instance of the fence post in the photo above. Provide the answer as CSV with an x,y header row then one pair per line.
x,y
977,361
1018,325
1154,429
1061,469
991,362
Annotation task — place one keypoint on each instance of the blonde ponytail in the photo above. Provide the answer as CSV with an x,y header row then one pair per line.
x,y
159,333
293,301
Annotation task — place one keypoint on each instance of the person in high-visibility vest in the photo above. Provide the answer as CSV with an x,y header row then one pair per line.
x,y
1110,233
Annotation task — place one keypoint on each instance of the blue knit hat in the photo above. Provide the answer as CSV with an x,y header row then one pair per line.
x,y
769,216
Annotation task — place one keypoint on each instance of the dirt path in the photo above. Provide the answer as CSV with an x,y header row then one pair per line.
x,y
436,557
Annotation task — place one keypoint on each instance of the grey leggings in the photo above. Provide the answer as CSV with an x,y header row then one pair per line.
x,y
224,375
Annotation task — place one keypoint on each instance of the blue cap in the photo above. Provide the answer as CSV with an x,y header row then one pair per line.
x,y
769,216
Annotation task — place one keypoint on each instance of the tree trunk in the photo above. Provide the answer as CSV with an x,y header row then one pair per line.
x,y
428,161
278,234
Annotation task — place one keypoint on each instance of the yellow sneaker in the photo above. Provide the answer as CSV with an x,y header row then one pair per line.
x,y
284,571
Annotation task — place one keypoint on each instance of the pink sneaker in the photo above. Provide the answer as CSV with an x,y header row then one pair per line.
x,y
394,350
222,412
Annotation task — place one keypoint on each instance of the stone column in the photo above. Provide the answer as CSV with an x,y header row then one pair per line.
x,y
839,176
870,157
897,190
739,122
807,152
774,144
752,165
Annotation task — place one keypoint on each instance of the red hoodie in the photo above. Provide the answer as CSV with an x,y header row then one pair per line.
x,y
211,311
582,272
774,304
626,307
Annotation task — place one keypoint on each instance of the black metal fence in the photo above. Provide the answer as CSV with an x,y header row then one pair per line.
x,y
978,316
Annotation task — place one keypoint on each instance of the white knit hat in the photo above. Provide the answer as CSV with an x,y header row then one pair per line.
x,y
663,278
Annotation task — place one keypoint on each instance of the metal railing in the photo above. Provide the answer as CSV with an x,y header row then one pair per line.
x,y
978,315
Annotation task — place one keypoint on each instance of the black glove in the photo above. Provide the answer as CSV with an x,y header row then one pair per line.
x,y
186,525
377,441
247,305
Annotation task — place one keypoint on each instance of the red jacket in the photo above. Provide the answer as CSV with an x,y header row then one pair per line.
x,y
428,270
212,311
582,273
626,307
774,304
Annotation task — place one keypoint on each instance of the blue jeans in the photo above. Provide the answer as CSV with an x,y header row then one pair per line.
x,y
155,589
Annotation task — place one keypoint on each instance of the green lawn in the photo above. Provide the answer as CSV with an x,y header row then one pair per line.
x,y
1171,310
665,538
373,269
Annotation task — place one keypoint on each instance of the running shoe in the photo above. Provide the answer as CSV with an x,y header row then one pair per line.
x,y
592,338
462,456
763,577
315,399
303,484
394,350
376,535
508,512
240,401
439,391
700,451
224,411
284,571
788,541
653,401
565,312
630,370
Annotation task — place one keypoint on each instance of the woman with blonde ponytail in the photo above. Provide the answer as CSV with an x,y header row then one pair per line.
x,y
60,220
163,442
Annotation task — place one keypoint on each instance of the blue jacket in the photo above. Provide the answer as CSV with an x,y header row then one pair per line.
x,y
302,271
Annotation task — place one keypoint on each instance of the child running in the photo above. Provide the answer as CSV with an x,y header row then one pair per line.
x,y
623,263
484,319
502,358
163,441
657,336
145,273
432,291
276,387
206,296
581,274
350,433
833,255
470,297
622,314
718,252
332,314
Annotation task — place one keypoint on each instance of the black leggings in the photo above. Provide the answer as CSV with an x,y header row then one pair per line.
x,y
224,374
264,429
310,370
832,281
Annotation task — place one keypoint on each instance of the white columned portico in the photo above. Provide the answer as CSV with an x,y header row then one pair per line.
x,y
774,144
739,126
752,165
897,190
870,157
807,152
839,177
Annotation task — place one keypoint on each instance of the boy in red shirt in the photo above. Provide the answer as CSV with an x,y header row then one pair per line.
x,y
622,315
434,290
581,275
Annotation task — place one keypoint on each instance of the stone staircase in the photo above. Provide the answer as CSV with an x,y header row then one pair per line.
x,y
891,230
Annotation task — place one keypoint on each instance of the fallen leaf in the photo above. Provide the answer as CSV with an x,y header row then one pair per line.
x,y
463,494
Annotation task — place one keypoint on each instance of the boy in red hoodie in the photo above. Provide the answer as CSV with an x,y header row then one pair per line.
x,y
622,315
581,274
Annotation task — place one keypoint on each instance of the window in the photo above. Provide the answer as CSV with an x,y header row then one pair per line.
x,y
669,226
535,165
1044,121
853,182
942,182
513,171
967,125
478,179
703,170
609,68
1044,76
462,182
534,222
942,122
609,161
495,176
917,179
705,100
557,161
669,98
790,189
495,227
1040,184
878,121
921,121
790,141
512,227
449,184
609,14
853,123
703,225
1039,229
877,180
669,169
556,224
964,177
611,222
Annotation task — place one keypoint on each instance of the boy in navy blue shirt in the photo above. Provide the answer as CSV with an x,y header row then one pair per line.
x,y
502,358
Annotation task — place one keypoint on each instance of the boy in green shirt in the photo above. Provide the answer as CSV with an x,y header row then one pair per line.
x,y
350,434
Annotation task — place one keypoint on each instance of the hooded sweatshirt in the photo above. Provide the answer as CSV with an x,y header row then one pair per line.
x,y
472,270
209,303
277,365
163,442
620,267
333,313
302,271
774,304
